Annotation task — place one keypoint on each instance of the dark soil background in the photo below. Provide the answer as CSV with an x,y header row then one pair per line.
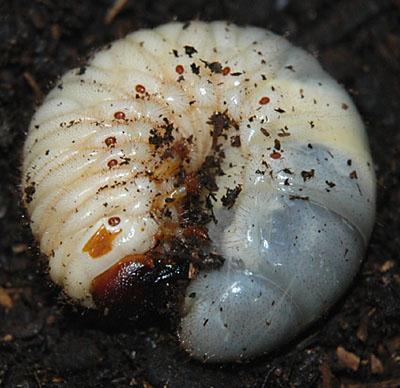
x,y
45,343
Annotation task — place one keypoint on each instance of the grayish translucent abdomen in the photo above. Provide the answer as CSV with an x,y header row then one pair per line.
x,y
292,246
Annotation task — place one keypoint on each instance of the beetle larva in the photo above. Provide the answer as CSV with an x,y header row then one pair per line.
x,y
211,135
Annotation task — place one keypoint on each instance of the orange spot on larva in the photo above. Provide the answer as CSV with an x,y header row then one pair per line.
x,y
114,221
275,155
100,243
110,141
140,88
179,69
226,70
264,100
112,163
119,115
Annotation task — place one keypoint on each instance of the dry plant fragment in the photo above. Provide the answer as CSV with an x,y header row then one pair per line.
x,y
348,359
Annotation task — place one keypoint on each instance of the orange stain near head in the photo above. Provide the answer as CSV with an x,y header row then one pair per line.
x,y
100,243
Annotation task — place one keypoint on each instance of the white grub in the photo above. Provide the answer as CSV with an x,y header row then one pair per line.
x,y
297,232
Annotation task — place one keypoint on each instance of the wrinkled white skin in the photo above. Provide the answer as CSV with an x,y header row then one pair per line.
x,y
291,245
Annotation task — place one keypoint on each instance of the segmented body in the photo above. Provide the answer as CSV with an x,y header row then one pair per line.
x,y
294,205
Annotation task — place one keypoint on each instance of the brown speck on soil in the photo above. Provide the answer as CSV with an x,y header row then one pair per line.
x,y
46,342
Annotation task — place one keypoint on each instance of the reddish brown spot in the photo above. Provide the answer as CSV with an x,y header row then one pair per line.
x,y
345,106
192,184
114,221
264,100
179,69
140,89
112,163
226,70
110,141
100,243
119,115
275,155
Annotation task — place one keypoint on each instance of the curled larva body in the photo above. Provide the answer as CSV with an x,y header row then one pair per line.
x,y
122,156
